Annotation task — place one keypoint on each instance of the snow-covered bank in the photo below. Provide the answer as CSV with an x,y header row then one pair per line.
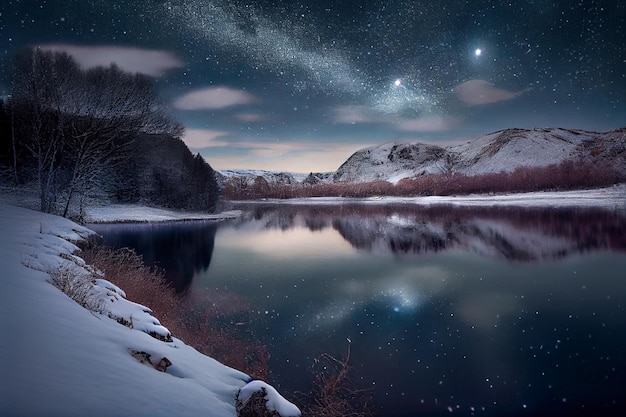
x,y
610,198
138,213
100,212
61,359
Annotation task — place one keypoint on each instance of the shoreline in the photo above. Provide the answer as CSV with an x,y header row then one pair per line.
x,y
609,198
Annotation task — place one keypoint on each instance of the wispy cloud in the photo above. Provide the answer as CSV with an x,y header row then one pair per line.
x,y
354,115
204,138
429,124
363,115
150,62
476,92
214,98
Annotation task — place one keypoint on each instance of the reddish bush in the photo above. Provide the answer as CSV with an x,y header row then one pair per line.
x,y
566,175
195,321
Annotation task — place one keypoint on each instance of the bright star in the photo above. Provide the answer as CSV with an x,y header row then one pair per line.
x,y
478,52
397,82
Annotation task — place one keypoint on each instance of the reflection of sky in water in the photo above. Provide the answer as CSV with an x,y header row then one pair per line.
x,y
435,332
483,312
321,265
293,243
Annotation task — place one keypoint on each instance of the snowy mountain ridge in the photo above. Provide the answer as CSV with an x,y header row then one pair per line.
x,y
494,152
273,177
503,150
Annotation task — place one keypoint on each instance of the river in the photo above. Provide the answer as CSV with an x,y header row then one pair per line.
x,y
476,311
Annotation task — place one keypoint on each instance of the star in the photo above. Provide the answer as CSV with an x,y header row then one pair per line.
x,y
478,52
397,82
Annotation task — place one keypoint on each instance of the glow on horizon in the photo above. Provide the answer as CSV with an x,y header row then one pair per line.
x,y
303,163
281,156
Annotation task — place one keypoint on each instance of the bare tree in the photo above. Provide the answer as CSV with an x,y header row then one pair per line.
x,y
81,119
110,108
36,93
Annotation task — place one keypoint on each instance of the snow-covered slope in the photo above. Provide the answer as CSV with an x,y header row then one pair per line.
x,y
60,359
249,175
392,162
495,152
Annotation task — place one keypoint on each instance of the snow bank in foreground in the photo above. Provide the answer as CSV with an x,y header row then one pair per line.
x,y
61,359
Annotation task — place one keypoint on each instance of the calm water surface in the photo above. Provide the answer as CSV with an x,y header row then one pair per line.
x,y
470,311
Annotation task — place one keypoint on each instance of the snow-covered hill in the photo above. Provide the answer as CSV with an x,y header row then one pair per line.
x,y
495,152
60,359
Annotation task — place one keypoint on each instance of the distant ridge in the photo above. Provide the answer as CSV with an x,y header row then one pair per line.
x,y
503,150
494,152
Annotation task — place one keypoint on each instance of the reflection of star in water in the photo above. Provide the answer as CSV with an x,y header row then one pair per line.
x,y
403,299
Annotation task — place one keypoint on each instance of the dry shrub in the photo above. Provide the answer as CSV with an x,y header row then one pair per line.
x,y
74,282
194,320
255,406
333,393
142,284
566,175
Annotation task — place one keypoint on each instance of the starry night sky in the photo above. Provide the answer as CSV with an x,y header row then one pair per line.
x,y
300,85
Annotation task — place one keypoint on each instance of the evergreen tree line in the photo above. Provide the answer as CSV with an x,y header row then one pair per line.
x,y
78,134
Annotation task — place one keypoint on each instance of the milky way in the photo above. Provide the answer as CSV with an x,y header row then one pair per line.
x,y
312,81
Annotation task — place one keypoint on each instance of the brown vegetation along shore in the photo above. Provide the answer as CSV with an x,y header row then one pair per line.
x,y
197,322
567,175
200,324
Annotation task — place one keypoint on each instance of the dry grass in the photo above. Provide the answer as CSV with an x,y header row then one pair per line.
x,y
77,285
201,325
195,321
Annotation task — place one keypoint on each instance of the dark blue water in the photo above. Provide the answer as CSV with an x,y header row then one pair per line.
x,y
469,311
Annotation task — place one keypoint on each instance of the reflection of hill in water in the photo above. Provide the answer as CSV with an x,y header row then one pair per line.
x,y
192,243
520,234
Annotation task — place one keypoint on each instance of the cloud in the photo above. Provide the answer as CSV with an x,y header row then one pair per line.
x,y
355,114
362,114
476,92
428,124
150,62
203,138
214,98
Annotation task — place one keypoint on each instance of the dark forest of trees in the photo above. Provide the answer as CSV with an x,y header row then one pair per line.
x,y
99,133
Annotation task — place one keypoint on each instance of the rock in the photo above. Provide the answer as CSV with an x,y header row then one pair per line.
x,y
159,363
